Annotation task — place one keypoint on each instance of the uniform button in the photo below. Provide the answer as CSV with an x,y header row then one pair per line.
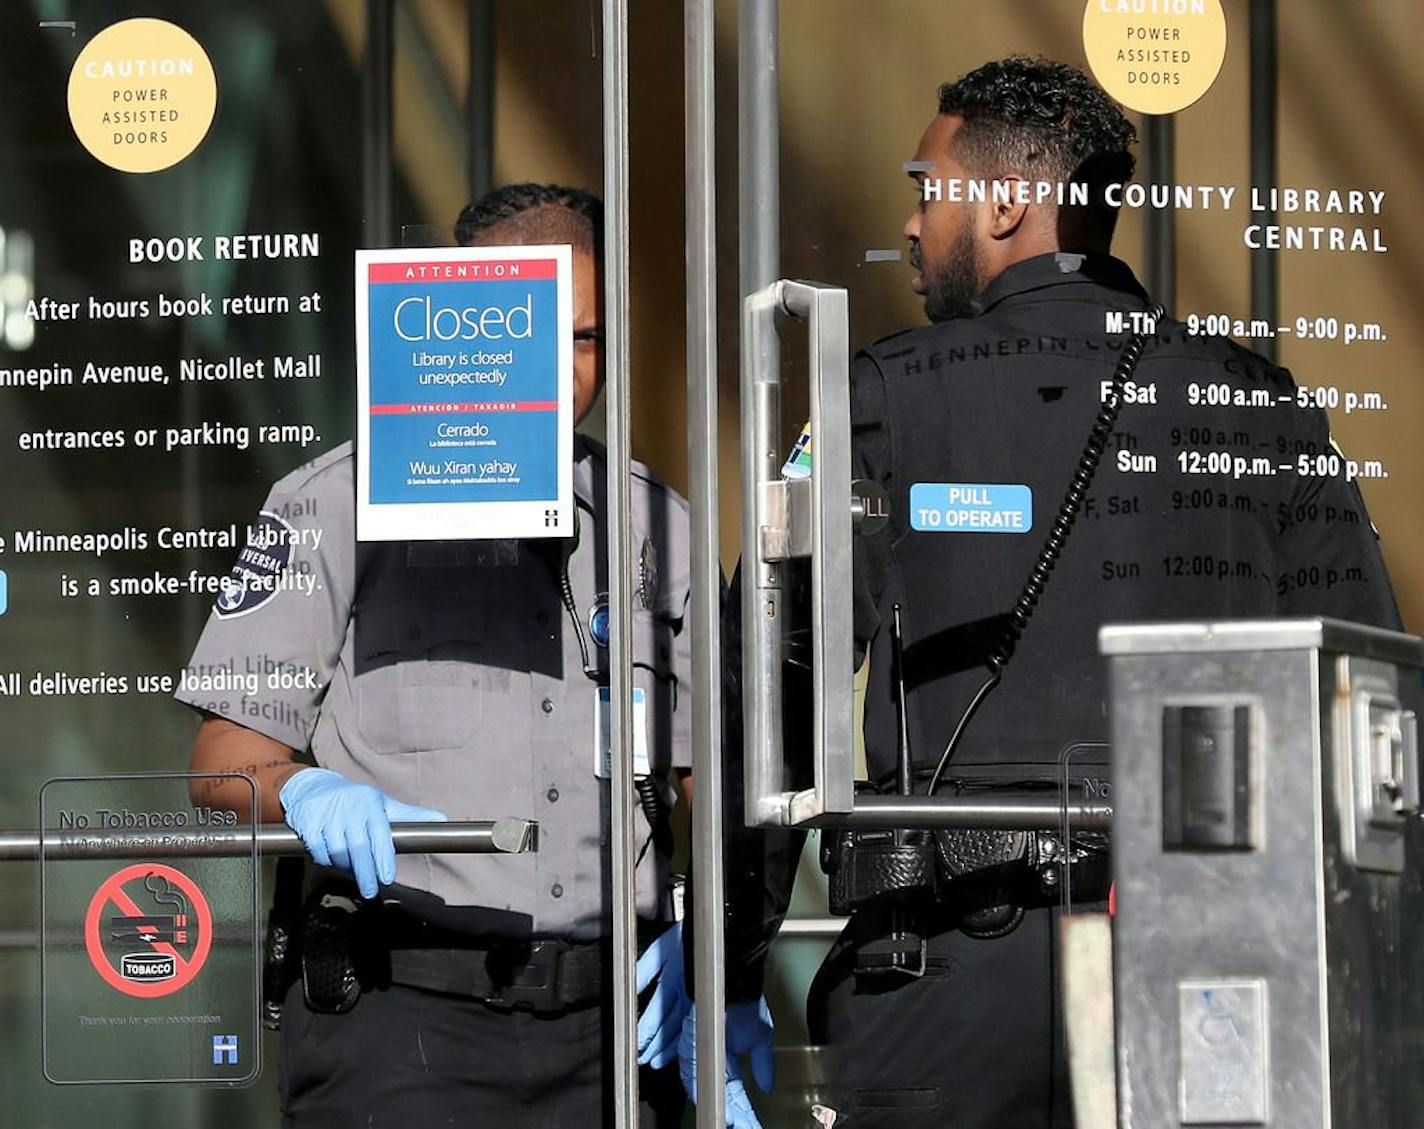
x,y
547,705
557,890
553,794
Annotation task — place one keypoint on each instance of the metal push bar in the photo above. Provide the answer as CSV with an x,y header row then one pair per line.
x,y
473,837
1000,811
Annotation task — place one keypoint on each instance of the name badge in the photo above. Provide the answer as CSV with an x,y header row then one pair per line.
x,y
603,724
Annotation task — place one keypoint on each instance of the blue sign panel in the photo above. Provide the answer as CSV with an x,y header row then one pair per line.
x,y
970,507
465,397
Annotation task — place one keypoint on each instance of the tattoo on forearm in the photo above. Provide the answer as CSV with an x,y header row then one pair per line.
x,y
210,790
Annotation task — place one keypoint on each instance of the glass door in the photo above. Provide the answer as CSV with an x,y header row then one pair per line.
x,y
1261,216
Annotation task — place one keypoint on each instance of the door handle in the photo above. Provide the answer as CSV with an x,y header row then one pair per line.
x,y
781,520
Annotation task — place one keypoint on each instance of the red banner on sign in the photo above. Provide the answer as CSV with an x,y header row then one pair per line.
x,y
475,270
465,408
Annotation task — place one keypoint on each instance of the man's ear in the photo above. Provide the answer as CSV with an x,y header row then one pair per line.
x,y
1005,216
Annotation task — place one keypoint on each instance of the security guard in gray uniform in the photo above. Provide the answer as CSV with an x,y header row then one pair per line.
x,y
1047,472
456,679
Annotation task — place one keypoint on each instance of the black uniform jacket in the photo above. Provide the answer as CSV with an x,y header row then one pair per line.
x,y
1217,497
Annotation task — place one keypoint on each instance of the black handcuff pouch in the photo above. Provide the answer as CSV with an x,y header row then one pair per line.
x,y
868,866
331,958
312,939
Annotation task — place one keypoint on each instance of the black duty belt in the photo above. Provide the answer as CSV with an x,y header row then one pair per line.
x,y
544,976
347,946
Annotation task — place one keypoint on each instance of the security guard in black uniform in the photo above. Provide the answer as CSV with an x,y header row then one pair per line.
x,y
1183,504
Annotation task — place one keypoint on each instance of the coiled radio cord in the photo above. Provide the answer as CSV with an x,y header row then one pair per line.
x,y
655,808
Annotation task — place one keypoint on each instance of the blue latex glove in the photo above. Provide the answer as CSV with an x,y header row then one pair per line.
x,y
348,825
661,1021
749,1032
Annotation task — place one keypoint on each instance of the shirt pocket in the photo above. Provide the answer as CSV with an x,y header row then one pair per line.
x,y
420,683
653,643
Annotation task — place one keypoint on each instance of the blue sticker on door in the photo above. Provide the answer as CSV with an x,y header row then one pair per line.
x,y
970,507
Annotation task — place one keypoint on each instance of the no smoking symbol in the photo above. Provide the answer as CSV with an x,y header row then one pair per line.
x,y
148,930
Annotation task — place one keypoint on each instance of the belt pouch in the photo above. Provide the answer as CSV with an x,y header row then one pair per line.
x,y
280,963
963,852
330,981
867,866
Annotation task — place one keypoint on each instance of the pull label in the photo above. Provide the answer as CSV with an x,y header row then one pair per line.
x,y
970,507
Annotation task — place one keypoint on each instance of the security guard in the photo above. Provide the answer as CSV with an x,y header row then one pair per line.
x,y
469,680
1029,432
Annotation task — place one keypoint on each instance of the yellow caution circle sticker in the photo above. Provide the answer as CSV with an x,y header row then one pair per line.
x,y
1155,56
142,95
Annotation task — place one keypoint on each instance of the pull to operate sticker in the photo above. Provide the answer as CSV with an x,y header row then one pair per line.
x,y
970,507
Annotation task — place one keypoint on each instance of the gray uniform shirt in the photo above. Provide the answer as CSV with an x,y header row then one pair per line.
x,y
450,674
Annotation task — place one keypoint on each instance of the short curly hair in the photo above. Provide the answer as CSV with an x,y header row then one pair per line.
x,y
1045,120
525,213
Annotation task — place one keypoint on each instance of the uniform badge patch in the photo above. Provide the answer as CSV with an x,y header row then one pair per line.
x,y
257,575
647,575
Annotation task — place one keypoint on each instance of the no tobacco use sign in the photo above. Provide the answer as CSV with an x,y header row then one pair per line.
x,y
149,966
148,930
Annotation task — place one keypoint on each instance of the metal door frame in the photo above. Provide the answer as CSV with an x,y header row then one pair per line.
x,y
699,29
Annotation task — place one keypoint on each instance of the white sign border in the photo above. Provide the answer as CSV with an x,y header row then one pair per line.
x,y
455,521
